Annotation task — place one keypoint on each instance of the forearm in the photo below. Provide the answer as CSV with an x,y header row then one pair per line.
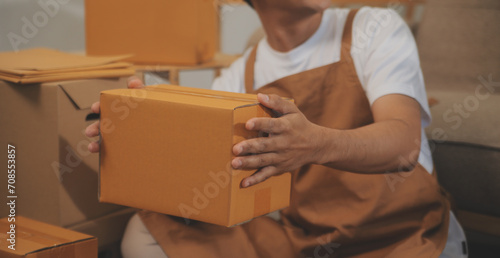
x,y
375,148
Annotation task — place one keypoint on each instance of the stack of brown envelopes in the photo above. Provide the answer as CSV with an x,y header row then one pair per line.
x,y
47,65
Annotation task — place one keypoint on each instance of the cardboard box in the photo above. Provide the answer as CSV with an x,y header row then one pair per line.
x,y
155,31
108,229
30,238
56,177
169,149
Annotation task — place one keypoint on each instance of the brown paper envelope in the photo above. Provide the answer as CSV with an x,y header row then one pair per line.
x,y
43,75
107,73
15,72
42,59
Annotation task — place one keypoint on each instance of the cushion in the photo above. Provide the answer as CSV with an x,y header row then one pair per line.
x,y
466,116
471,173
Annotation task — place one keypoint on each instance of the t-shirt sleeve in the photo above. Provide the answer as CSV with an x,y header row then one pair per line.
x,y
386,57
232,78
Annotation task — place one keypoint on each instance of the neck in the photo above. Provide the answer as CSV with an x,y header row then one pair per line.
x,y
287,30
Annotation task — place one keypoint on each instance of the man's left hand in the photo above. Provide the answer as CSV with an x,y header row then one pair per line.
x,y
293,142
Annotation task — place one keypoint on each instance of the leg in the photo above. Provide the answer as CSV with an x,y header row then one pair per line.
x,y
137,241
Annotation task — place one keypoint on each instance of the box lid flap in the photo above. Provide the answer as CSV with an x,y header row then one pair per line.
x,y
33,236
206,92
84,93
245,98
191,96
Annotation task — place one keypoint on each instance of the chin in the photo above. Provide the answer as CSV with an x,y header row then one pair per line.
x,y
316,5
323,4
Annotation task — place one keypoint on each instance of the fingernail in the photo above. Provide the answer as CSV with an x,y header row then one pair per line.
x,y
250,125
246,183
87,132
239,149
264,97
236,163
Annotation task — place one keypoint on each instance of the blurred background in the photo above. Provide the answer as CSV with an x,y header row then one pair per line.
x,y
458,42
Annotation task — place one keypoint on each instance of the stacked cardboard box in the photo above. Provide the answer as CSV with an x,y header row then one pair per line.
x,y
30,238
45,99
154,31
56,177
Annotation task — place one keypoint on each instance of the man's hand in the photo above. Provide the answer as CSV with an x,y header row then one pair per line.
x,y
293,142
93,129
391,143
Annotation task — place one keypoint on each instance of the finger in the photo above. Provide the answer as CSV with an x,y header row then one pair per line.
x,y
277,103
93,147
259,176
268,125
256,145
134,82
96,107
254,161
92,130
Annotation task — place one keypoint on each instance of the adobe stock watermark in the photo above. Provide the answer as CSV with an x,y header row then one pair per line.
x,y
74,158
462,110
202,197
397,5
31,26
364,34
325,248
223,7
454,116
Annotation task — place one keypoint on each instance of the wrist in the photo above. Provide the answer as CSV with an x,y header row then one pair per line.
x,y
326,143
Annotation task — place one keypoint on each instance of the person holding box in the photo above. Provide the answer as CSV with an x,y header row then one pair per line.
x,y
362,183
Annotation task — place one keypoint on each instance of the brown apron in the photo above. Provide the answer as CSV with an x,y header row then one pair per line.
x,y
332,213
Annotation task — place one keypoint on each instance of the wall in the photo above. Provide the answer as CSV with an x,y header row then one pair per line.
x,y
56,24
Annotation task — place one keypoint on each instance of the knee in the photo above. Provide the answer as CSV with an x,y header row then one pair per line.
x,y
131,242
138,242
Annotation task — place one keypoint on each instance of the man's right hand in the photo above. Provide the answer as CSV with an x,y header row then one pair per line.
x,y
93,130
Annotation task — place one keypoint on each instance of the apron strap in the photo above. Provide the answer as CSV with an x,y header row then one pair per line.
x,y
249,70
345,52
344,56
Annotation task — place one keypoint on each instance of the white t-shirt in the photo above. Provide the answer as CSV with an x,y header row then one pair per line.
x,y
383,50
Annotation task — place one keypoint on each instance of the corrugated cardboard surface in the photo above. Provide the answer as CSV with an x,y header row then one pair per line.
x,y
56,179
168,149
155,31
37,239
